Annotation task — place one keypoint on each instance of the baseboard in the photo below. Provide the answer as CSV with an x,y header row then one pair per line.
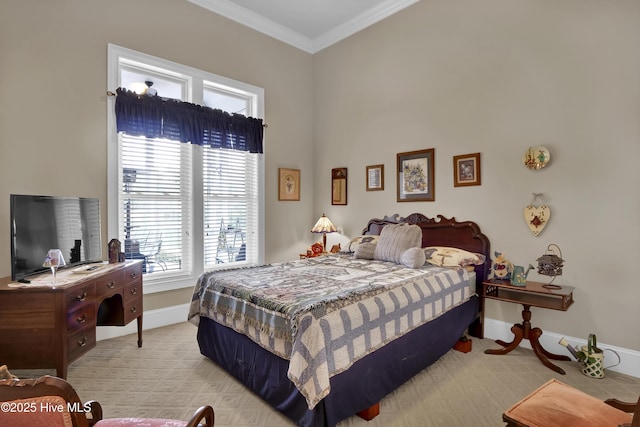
x,y
629,359
152,319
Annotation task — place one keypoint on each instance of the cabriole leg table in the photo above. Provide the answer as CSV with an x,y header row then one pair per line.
x,y
533,294
524,331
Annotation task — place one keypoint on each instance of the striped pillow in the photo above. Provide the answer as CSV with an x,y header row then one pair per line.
x,y
365,251
395,239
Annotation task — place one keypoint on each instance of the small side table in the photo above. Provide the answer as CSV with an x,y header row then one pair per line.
x,y
534,294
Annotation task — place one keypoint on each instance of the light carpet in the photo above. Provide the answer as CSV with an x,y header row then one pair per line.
x,y
169,378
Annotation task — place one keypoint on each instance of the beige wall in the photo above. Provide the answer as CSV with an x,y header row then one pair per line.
x,y
53,108
496,77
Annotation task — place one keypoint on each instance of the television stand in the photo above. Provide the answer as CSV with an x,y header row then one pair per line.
x,y
43,325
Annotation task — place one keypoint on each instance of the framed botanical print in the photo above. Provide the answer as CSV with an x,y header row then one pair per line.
x,y
416,177
288,184
375,178
466,170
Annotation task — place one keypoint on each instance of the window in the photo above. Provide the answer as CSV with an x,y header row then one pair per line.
x,y
179,207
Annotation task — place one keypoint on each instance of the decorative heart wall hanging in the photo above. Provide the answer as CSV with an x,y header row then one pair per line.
x,y
537,217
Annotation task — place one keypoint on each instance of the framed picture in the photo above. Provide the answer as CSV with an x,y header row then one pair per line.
x,y
288,184
416,177
375,178
466,170
339,186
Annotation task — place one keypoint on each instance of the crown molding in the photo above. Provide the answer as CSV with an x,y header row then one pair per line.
x,y
280,32
359,23
257,22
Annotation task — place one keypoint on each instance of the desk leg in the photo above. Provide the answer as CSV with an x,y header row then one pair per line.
x,y
139,330
61,370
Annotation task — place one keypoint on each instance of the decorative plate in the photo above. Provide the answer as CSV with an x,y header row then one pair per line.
x,y
536,157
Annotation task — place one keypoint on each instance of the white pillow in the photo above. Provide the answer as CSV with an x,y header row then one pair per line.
x,y
452,257
413,258
352,246
395,239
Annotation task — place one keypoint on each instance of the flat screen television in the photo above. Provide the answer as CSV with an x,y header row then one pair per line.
x,y
40,223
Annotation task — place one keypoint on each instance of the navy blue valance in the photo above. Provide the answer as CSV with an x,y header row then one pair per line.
x,y
156,117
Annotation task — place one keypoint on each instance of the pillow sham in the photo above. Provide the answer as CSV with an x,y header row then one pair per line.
x,y
357,241
413,258
443,256
395,239
365,251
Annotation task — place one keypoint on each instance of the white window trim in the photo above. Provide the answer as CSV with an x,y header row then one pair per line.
x,y
115,53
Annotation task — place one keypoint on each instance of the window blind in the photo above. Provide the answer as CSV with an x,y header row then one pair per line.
x,y
230,206
156,203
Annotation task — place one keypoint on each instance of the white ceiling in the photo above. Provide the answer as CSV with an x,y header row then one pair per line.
x,y
310,25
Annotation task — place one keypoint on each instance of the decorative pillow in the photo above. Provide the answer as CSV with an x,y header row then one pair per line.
x,y
357,241
452,257
365,251
413,258
395,239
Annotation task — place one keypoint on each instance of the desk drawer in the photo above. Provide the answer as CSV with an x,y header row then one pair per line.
x,y
77,296
80,342
81,317
133,273
132,309
109,284
132,291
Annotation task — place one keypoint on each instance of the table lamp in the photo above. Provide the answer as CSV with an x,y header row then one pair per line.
x,y
54,260
324,226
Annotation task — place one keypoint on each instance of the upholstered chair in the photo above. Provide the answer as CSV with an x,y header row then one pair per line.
x,y
202,417
555,404
51,402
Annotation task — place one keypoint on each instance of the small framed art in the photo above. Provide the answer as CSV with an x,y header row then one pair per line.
x,y
416,177
288,184
375,178
466,170
339,186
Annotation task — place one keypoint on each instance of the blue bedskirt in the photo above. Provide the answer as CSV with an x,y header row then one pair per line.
x,y
361,386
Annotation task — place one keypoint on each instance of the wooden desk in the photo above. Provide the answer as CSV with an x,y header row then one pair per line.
x,y
534,294
47,326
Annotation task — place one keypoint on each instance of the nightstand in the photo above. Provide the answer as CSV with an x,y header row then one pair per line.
x,y
534,294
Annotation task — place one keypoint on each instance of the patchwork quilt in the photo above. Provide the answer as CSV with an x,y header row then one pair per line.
x,y
325,313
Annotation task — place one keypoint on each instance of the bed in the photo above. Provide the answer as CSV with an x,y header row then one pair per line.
x,y
326,347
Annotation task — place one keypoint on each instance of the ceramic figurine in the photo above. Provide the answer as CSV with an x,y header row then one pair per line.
x,y
502,268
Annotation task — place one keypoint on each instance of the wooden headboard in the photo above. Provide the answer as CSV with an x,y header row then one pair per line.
x,y
446,232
